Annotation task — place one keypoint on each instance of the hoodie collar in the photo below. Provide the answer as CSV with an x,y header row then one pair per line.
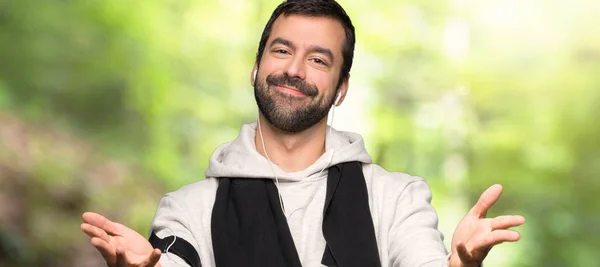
x,y
240,159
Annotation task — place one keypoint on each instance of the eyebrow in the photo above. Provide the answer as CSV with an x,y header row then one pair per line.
x,y
282,41
312,49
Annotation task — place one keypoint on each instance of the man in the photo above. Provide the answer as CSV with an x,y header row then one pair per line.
x,y
291,191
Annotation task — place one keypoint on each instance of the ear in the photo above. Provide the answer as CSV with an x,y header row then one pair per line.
x,y
253,75
342,91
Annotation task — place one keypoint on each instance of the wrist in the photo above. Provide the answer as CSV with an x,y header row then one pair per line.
x,y
455,261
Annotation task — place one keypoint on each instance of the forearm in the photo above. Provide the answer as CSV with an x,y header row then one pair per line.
x,y
171,260
170,232
416,241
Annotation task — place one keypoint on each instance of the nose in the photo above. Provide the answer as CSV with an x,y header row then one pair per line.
x,y
295,67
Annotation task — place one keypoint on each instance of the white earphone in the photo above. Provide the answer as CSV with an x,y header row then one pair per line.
x,y
337,99
254,75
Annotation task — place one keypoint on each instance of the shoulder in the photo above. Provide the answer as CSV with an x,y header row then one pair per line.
x,y
380,175
382,181
196,194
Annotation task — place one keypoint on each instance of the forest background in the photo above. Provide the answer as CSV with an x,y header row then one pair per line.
x,y
107,105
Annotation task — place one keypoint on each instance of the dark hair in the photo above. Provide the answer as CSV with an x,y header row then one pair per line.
x,y
315,8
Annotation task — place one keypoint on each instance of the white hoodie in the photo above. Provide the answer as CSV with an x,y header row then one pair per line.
x,y
405,222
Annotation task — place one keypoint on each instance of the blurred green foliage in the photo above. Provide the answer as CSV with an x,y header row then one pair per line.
x,y
107,105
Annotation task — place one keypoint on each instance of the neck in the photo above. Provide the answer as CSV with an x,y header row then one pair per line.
x,y
291,151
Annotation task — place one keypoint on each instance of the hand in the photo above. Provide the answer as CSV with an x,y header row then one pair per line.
x,y
119,245
476,235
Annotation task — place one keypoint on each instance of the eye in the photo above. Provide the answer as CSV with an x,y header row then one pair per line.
x,y
280,51
319,61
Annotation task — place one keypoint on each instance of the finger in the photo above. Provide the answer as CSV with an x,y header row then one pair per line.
x,y
101,222
494,238
463,254
153,259
93,231
501,236
121,257
471,255
486,200
106,250
507,221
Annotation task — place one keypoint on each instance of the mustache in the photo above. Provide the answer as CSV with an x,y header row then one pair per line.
x,y
286,80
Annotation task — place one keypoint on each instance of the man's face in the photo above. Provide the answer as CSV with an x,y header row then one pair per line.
x,y
298,73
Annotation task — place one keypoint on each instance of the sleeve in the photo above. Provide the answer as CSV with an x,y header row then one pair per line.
x,y
414,237
170,231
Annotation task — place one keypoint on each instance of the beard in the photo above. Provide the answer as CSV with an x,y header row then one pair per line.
x,y
291,113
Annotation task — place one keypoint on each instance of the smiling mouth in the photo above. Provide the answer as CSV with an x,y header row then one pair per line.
x,y
290,91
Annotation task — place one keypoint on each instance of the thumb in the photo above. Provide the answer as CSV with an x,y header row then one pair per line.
x,y
486,200
153,259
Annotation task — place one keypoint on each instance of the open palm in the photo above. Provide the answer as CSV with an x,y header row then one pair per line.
x,y
476,235
119,245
